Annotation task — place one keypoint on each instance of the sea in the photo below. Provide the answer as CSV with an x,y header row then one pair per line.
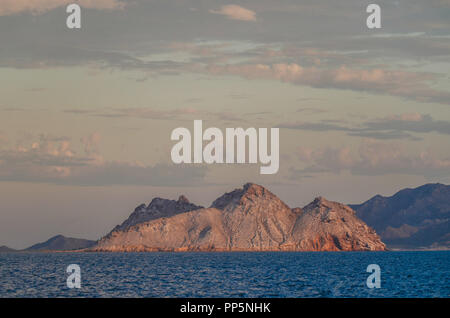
x,y
235,274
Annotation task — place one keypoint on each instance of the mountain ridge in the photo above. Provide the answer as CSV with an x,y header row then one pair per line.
x,y
6,249
61,243
411,218
250,218
157,208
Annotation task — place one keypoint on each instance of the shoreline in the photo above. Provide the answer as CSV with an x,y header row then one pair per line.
x,y
223,251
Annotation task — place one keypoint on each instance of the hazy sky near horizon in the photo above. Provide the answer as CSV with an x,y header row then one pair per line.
x,y
86,115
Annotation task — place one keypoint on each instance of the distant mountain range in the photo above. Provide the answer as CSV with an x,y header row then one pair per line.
x,y
411,218
6,249
247,219
56,243
253,218
61,243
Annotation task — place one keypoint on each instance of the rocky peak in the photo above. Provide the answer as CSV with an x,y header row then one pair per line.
x,y
157,208
319,200
254,189
250,193
157,202
321,204
328,225
183,199
141,207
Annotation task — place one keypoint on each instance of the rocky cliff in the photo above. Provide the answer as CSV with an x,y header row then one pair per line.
x,y
247,219
158,208
330,226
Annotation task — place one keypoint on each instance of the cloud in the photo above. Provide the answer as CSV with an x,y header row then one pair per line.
x,y
372,158
124,173
185,114
351,69
359,131
340,59
11,7
46,151
3,138
384,135
391,127
39,55
91,143
445,3
235,12
47,157
410,122
54,160
149,113
410,85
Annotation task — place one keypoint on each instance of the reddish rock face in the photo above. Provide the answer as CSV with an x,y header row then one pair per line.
x,y
158,208
248,219
330,226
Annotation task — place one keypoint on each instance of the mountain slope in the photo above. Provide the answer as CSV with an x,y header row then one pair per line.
x,y
60,243
332,226
255,218
248,219
6,249
411,218
158,208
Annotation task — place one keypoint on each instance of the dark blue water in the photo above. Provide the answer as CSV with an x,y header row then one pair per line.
x,y
317,274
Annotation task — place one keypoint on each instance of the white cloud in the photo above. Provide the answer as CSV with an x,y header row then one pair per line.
x,y
235,12
410,85
54,160
11,7
414,117
373,158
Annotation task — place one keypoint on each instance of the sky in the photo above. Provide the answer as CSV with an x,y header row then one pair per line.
x,y
86,114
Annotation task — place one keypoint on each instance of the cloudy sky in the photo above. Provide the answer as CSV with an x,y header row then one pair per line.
x,y
86,115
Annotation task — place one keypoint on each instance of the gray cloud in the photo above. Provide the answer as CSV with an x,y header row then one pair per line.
x,y
410,123
184,114
391,127
384,135
35,7
53,160
372,158
337,54
3,138
107,174
117,173
410,85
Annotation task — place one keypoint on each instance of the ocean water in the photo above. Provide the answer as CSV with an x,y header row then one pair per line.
x,y
256,274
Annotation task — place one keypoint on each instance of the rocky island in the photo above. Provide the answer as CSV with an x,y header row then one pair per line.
x,y
247,219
